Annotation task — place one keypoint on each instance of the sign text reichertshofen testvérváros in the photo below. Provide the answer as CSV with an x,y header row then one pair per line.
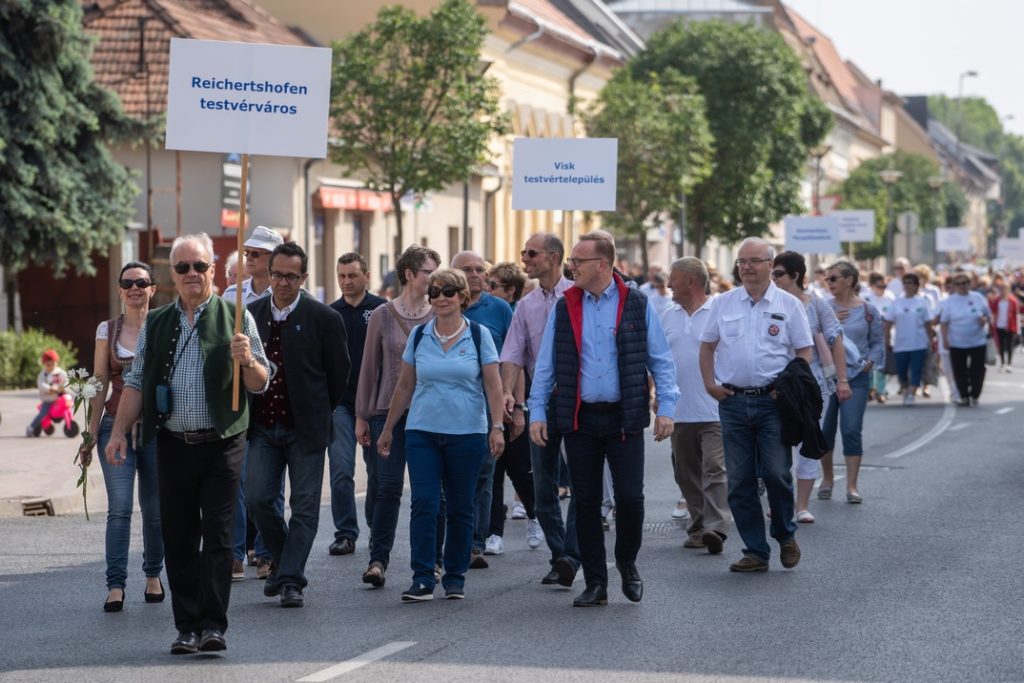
x,y
268,107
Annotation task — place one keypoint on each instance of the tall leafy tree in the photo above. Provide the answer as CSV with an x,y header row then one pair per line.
x,y
864,189
977,121
665,146
409,104
62,195
762,116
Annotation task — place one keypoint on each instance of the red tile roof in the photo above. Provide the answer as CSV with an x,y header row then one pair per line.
x,y
838,72
116,26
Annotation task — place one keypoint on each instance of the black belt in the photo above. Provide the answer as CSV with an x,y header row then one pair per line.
x,y
750,391
191,438
604,407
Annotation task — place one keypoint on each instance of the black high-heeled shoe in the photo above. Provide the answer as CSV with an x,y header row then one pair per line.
x,y
156,597
114,605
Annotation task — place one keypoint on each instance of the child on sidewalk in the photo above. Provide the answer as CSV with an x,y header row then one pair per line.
x,y
52,379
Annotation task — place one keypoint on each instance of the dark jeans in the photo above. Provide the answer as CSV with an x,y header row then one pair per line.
x,y
1005,346
752,437
600,436
44,409
453,461
968,370
390,480
198,488
341,454
271,449
546,463
910,366
245,533
516,461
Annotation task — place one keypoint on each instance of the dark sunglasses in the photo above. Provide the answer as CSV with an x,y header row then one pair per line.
x,y
199,266
776,274
834,278
448,291
141,283
532,253
494,284
252,254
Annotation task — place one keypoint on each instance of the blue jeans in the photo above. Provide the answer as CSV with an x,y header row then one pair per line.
x,y
848,416
120,483
546,462
341,455
271,449
44,409
238,527
482,501
909,365
454,461
390,480
752,437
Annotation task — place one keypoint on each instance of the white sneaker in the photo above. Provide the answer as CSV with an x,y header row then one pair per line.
x,y
680,513
518,511
908,399
534,534
494,545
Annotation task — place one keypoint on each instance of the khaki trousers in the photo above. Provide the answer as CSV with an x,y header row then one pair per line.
x,y
699,462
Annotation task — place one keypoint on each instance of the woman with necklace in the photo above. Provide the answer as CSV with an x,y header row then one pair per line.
x,y
450,373
115,350
386,335
862,327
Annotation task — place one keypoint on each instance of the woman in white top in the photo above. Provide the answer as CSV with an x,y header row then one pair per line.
x,y
910,318
965,322
882,299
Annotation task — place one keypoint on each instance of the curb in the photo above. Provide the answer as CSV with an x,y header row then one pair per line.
x,y
67,502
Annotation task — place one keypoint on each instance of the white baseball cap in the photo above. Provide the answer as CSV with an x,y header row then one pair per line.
x,y
264,238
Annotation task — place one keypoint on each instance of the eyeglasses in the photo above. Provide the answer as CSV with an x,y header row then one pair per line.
x,y
448,291
199,266
141,283
911,283
751,261
776,274
532,253
292,278
252,253
575,262
834,278
494,284
961,282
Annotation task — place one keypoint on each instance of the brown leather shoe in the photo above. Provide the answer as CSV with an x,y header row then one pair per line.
x,y
237,570
694,540
789,553
749,563
712,541
374,575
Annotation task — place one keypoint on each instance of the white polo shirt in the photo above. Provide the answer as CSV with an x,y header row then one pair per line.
x,y
908,317
683,332
963,315
756,340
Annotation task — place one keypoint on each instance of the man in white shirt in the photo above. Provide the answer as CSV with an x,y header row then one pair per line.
x,y
900,267
697,453
257,250
752,334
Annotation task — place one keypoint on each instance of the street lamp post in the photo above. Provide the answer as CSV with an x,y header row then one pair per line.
x,y
890,177
970,73
936,182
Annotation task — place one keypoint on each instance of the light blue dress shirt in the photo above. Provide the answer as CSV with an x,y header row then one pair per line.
x,y
599,358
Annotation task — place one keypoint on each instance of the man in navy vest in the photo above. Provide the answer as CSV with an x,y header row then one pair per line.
x,y
598,348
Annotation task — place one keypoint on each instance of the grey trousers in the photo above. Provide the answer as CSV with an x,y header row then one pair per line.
x,y
699,461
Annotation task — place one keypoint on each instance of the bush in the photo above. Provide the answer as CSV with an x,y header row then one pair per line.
x,y
19,357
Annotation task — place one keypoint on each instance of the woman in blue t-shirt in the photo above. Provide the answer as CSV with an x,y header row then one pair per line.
x,y
450,371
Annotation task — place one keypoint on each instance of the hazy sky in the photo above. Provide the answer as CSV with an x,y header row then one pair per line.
x,y
922,46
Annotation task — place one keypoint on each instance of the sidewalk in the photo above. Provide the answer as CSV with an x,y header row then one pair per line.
x,y
43,468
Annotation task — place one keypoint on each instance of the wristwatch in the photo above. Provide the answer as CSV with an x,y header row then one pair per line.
x,y
249,363
497,427
520,406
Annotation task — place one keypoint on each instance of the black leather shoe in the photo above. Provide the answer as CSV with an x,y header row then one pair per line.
x,y
270,588
632,585
114,605
566,571
592,597
550,579
156,597
344,546
185,644
212,640
291,596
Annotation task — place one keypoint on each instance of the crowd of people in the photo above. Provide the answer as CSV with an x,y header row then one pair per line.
x,y
546,373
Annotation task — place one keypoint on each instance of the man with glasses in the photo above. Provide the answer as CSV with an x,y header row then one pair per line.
x,y
542,259
181,386
292,423
600,344
752,334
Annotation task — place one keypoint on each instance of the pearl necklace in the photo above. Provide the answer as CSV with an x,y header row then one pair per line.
x,y
445,338
409,314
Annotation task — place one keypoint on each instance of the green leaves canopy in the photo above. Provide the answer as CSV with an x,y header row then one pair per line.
x,y
62,195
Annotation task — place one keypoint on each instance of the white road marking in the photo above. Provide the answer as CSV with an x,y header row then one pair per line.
x,y
1004,411
948,413
357,662
959,425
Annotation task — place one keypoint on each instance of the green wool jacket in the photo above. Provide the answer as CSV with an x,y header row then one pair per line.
x,y
216,327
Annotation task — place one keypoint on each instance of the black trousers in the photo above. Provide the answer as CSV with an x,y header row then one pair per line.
x,y
600,436
198,493
516,462
968,370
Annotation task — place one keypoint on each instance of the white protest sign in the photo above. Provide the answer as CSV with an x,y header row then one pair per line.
x,y
812,234
564,173
953,239
1011,249
855,226
248,98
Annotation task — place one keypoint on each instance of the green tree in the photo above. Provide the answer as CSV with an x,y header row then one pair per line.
x,y
664,146
864,189
62,195
763,119
408,102
977,121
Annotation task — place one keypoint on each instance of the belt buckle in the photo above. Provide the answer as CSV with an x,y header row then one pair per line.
x,y
751,392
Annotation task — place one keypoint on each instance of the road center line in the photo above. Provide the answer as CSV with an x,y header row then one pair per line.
x,y
958,426
357,662
948,413
1004,411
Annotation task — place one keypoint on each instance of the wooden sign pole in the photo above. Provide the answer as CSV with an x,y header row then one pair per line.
x,y
239,310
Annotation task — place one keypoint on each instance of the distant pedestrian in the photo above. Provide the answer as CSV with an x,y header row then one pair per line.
x,y
231,269
882,299
910,320
51,382
965,320
1005,321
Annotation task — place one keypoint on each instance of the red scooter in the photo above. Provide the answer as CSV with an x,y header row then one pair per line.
x,y
60,411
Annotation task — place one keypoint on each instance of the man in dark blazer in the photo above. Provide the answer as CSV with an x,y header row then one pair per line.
x,y
291,423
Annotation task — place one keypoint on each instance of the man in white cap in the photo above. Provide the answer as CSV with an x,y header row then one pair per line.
x,y
257,250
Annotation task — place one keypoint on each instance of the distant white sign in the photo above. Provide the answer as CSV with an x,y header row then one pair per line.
x,y
812,234
564,173
855,226
248,98
1011,249
953,239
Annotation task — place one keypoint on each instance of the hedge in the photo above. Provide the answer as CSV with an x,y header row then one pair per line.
x,y
19,357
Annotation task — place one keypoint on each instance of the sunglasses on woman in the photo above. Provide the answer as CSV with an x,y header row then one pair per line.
x,y
199,266
776,274
448,291
141,283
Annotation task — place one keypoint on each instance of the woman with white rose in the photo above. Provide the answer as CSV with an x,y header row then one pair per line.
x,y
115,350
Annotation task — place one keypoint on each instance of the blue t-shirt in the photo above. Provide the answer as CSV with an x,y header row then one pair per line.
x,y
449,396
494,314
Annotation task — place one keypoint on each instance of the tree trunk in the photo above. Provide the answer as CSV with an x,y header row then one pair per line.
x,y
644,260
396,247
11,290
698,238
